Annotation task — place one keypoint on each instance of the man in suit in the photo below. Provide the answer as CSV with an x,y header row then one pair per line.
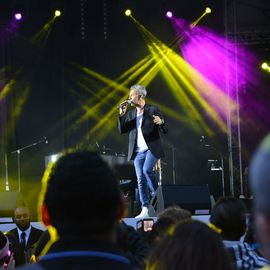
x,y
24,236
144,124
81,200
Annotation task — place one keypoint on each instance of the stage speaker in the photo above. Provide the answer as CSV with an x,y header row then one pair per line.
x,y
195,198
9,200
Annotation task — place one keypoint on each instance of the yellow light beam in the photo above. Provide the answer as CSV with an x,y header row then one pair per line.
x,y
18,107
103,91
41,37
186,82
184,101
111,95
7,89
185,77
207,11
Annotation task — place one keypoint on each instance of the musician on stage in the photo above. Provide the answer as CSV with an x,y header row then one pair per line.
x,y
144,124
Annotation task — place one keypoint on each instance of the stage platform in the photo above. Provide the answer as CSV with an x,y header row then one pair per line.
x,y
7,224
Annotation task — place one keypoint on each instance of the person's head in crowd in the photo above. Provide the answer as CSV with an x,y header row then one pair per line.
x,y
22,217
259,176
191,245
159,230
4,250
166,219
229,216
175,213
80,196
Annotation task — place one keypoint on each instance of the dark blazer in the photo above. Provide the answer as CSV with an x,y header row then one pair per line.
x,y
15,244
151,131
85,254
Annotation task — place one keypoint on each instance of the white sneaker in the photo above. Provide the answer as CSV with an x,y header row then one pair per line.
x,y
144,213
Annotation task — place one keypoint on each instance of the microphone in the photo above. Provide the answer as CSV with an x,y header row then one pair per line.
x,y
124,103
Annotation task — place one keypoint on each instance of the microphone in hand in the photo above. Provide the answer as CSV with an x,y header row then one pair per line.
x,y
124,103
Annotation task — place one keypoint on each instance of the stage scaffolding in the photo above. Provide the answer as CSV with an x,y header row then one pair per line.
x,y
239,35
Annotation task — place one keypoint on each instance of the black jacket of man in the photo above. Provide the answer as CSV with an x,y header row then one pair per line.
x,y
20,257
150,130
71,253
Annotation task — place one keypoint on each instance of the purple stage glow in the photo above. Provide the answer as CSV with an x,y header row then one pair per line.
x,y
18,16
169,14
226,67
220,66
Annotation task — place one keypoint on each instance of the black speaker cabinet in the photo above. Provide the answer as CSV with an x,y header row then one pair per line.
x,y
195,198
9,201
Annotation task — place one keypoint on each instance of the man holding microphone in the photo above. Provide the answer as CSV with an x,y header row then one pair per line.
x,y
144,124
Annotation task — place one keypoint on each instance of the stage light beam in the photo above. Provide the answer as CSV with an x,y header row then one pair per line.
x,y
128,12
207,11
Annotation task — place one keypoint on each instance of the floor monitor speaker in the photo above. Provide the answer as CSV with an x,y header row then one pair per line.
x,y
195,198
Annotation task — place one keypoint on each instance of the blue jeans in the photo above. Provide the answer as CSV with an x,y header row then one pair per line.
x,y
144,163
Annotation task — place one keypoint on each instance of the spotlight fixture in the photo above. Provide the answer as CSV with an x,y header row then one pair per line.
x,y
54,157
265,66
18,16
57,13
208,10
128,12
169,14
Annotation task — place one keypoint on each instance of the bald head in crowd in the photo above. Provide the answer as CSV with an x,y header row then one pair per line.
x,y
22,217
260,185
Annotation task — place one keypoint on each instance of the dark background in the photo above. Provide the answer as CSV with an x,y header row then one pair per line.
x,y
96,34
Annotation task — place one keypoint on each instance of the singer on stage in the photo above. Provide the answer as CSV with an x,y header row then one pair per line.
x,y
144,124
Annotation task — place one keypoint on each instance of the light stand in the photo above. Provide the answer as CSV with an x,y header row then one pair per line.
x,y
173,160
18,152
222,175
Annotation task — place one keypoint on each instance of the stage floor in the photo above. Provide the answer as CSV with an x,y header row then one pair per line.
x,y
7,224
